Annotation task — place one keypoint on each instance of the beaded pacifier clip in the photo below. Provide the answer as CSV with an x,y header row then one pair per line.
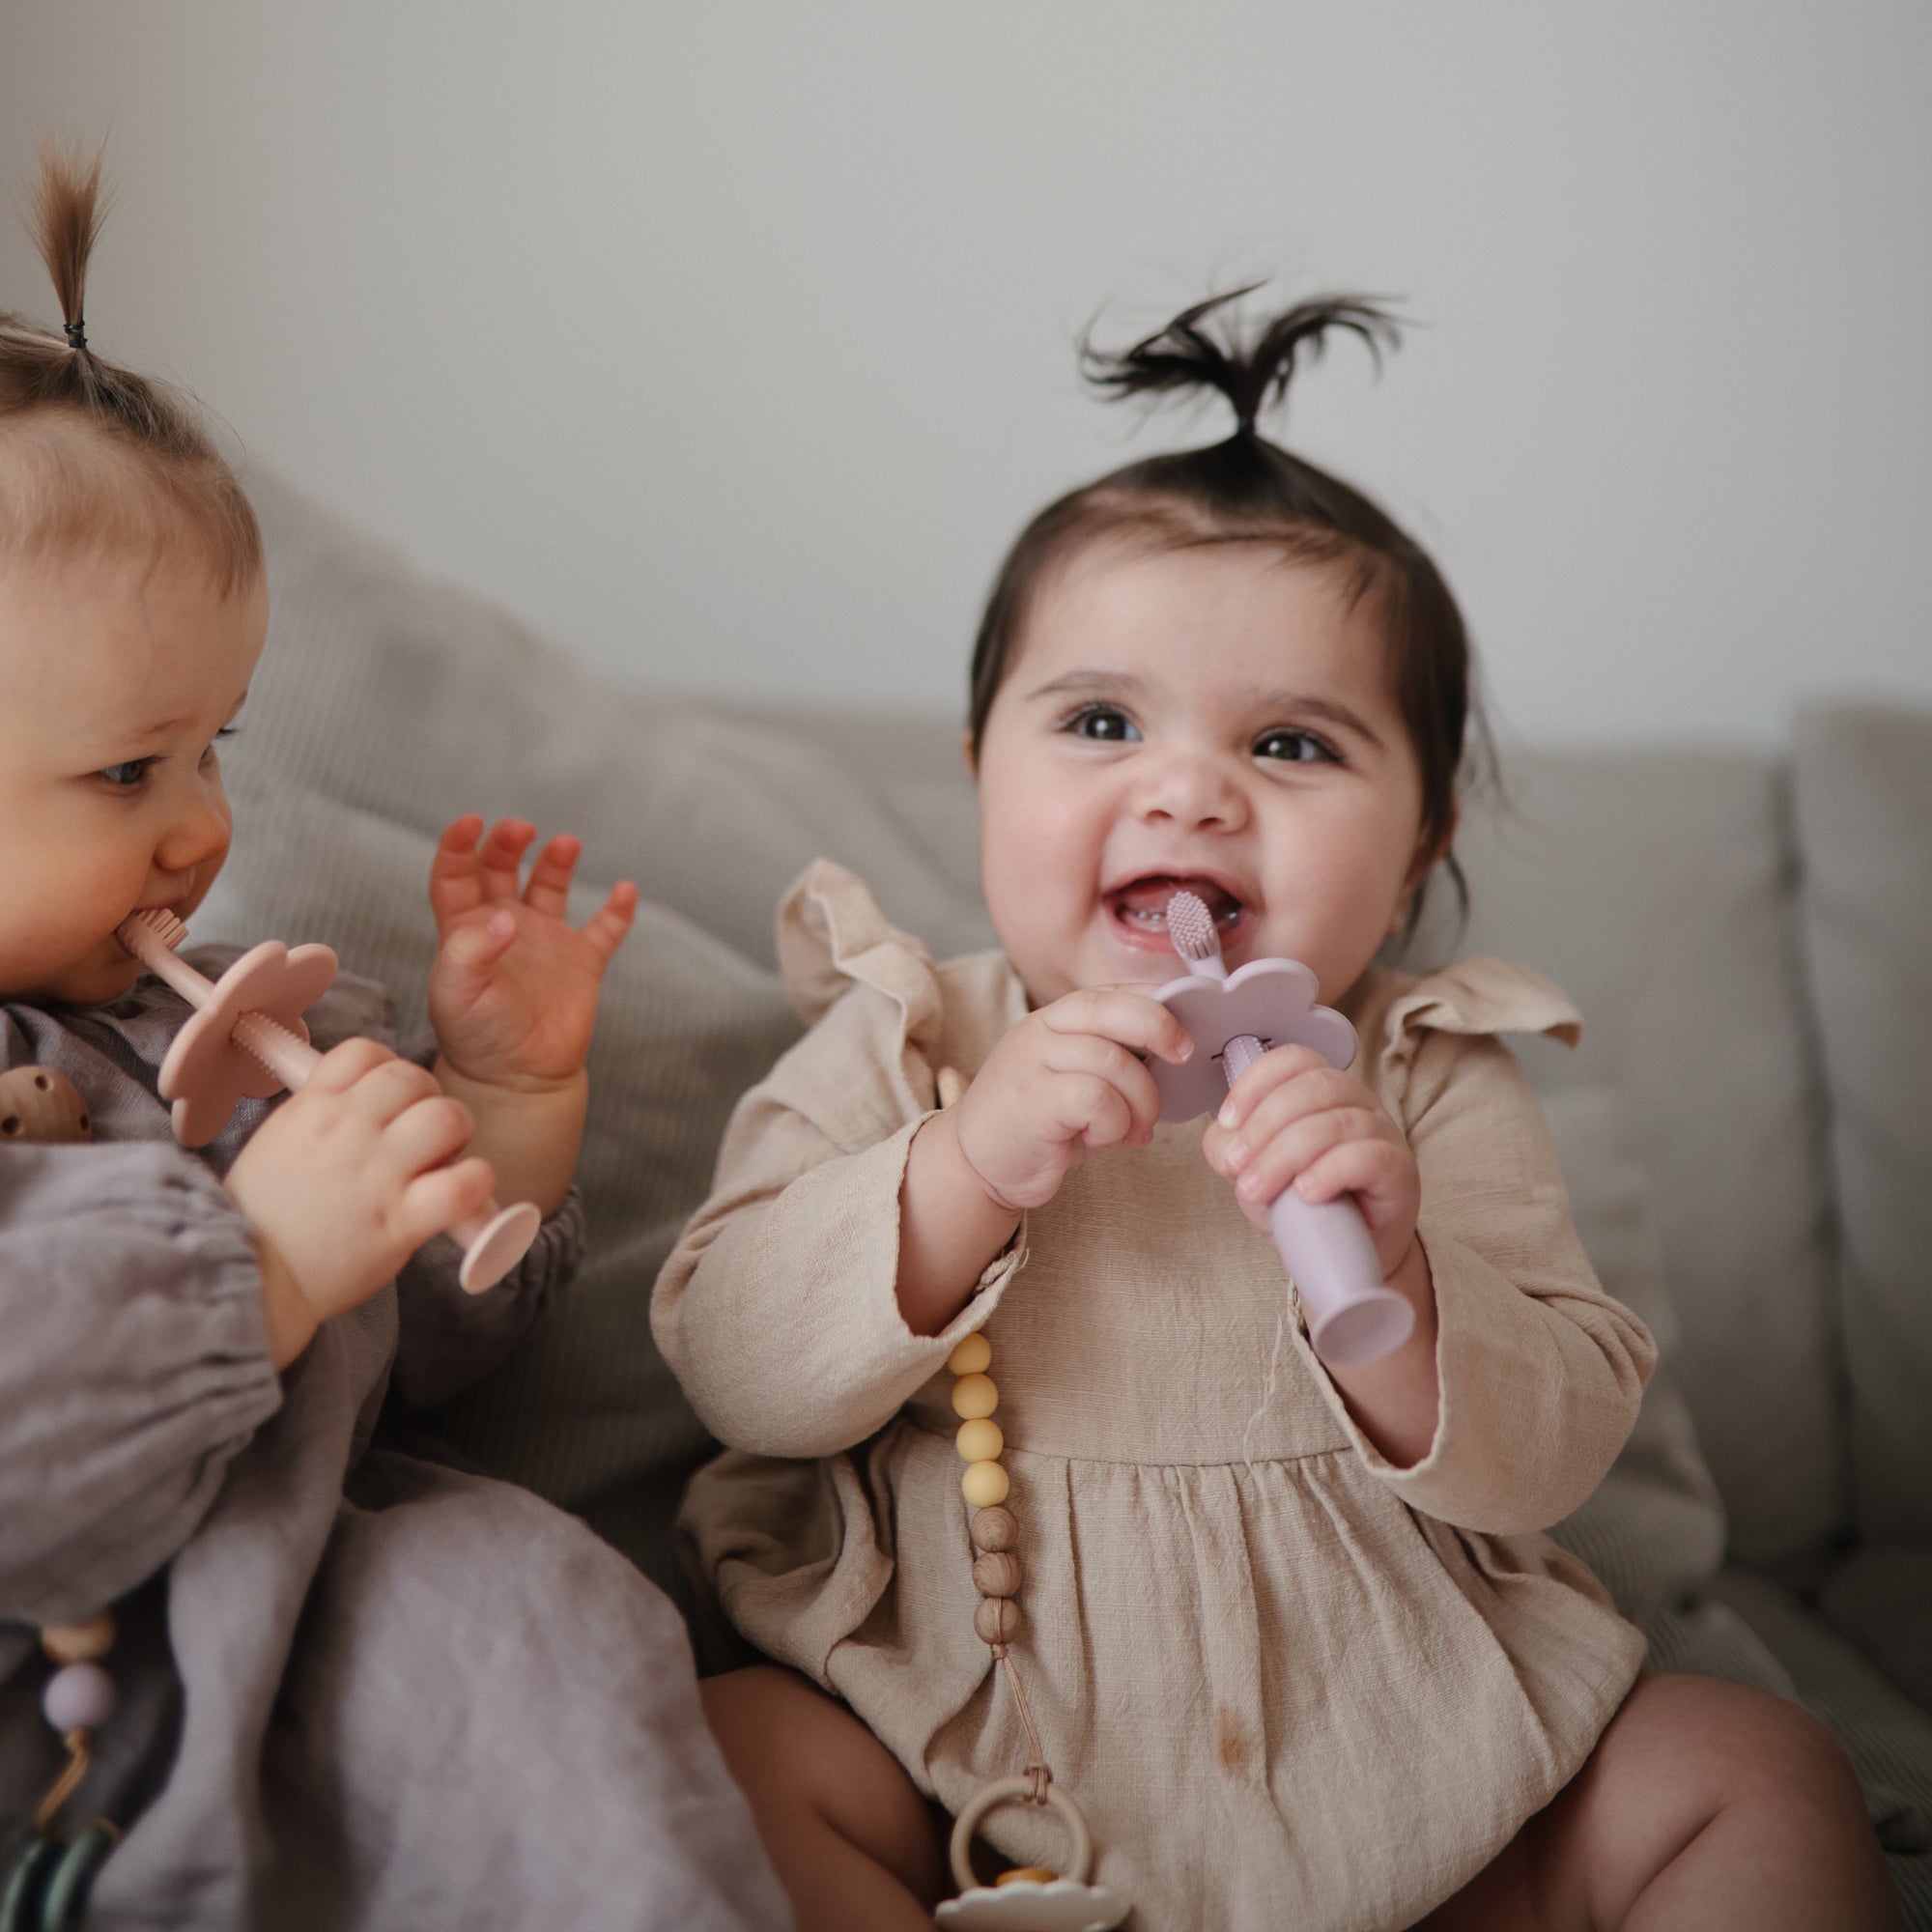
x,y
45,1888
1031,1898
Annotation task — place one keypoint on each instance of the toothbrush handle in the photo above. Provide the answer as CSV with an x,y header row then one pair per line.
x,y
1353,1316
494,1239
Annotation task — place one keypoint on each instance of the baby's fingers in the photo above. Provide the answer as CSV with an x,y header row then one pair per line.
x,y
1089,1057
433,1200
476,945
455,884
429,1134
608,926
1277,1067
1095,1110
1129,1018
1262,1173
549,888
500,859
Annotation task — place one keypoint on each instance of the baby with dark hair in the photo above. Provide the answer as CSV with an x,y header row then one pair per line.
x,y
253,1671
1283,1631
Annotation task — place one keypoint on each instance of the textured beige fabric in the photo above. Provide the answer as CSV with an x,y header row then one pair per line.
x,y
1288,1684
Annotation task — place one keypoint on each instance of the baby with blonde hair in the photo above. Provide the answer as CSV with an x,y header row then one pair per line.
x,y
288,1679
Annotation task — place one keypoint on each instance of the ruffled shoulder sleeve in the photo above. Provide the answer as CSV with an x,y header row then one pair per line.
x,y
837,950
1473,999
779,1310
833,936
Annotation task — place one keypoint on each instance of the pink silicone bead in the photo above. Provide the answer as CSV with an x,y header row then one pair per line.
x,y
78,1698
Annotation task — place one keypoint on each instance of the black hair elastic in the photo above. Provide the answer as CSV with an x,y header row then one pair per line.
x,y
77,332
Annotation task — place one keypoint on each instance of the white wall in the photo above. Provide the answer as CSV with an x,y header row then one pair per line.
x,y
730,342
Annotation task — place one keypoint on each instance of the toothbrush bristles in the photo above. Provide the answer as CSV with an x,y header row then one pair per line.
x,y
1191,929
157,925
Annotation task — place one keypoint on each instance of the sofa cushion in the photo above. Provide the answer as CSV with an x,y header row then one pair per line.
x,y
586,1413
1863,778
411,699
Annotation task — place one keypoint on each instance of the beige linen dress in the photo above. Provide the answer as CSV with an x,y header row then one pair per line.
x,y
1290,1685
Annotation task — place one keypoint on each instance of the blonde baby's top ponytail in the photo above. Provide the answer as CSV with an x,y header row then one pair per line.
x,y
93,454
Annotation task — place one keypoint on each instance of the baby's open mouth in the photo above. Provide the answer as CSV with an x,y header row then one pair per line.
x,y
1139,908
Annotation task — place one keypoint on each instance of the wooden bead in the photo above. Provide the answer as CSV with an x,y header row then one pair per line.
x,y
39,1105
971,1356
997,1574
79,1643
979,1442
997,1620
975,1396
984,1485
995,1529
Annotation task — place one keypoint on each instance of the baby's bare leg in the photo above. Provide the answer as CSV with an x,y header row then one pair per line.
x,y
852,1840
1703,1804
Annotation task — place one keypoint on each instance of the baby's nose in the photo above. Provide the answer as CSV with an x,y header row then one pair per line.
x,y
199,834
1191,789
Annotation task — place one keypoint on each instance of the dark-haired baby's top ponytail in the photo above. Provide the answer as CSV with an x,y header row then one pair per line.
x,y
1183,356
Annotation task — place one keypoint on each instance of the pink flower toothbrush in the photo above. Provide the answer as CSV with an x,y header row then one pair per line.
x,y
247,1039
1234,1019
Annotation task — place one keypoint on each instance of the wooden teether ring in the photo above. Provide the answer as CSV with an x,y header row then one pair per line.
x,y
1014,1791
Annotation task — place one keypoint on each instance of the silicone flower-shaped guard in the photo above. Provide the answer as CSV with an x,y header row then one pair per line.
x,y
1271,1000
1234,1019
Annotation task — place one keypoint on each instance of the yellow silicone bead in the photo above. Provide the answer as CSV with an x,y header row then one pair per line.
x,y
980,1440
970,1356
985,1485
975,1396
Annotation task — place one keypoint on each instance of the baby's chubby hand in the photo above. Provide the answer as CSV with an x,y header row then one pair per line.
x,y
346,1179
1295,1119
513,994
1065,1082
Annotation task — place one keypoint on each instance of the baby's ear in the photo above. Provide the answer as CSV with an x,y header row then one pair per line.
x,y
1431,852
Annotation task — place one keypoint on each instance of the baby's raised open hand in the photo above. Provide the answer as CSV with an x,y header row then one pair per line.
x,y
1295,1119
347,1179
513,994
1066,1081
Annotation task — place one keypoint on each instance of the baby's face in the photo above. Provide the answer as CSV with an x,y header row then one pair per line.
x,y
1220,719
116,677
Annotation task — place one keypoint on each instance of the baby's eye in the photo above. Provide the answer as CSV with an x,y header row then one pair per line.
x,y
1299,748
226,731
127,777
1102,724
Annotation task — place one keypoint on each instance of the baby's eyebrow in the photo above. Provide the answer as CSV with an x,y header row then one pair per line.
x,y
1123,681
1300,705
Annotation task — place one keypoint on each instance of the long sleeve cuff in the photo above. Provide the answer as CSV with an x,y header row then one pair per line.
x,y
1535,1397
449,1338
804,1350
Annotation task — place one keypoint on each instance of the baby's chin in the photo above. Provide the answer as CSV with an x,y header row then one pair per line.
x,y
102,977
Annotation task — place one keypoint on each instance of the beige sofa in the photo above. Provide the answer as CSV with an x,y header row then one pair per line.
x,y
1746,1128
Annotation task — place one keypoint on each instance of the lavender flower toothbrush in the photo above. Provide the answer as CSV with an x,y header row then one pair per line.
x,y
1234,1019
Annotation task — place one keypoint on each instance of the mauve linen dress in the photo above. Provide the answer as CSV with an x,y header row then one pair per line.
x,y
358,1691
